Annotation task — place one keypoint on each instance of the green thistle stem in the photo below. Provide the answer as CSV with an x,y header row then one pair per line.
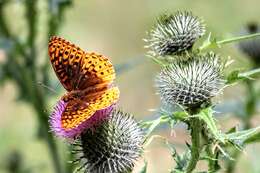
x,y
249,73
213,165
210,43
195,148
236,39
211,162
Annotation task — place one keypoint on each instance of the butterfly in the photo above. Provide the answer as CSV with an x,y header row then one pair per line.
x,y
88,78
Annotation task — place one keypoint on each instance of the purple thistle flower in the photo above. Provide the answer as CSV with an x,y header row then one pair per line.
x,y
56,127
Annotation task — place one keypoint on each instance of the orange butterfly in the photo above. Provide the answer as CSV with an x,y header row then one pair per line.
x,y
88,78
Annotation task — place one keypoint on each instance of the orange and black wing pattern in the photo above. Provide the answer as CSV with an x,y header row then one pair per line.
x,y
77,69
87,77
78,111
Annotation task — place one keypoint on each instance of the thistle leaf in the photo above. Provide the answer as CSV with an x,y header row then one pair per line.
x,y
181,160
253,139
245,136
151,125
206,115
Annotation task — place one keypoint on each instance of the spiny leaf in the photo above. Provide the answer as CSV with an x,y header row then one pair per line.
x,y
253,139
151,125
206,115
243,136
232,130
181,160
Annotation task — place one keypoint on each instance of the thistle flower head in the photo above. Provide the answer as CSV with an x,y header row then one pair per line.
x,y
58,130
113,146
174,33
191,83
251,47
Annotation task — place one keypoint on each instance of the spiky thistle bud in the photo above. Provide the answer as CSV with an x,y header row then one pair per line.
x,y
174,33
192,82
112,146
251,47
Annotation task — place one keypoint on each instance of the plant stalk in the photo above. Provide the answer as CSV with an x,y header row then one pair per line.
x,y
195,127
229,40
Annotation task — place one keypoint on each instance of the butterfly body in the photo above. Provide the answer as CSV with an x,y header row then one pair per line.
x,y
88,78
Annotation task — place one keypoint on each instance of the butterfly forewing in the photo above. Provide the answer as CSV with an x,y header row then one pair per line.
x,y
77,69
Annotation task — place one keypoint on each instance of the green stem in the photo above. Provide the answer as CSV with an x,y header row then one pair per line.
x,y
31,16
226,41
213,165
251,103
235,39
195,126
4,29
249,73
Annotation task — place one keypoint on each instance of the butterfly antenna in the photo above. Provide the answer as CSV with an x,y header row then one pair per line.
x,y
47,87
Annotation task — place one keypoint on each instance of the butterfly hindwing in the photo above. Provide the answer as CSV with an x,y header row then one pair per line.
x,y
79,110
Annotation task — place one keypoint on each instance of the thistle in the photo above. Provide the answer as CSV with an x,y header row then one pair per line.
x,y
174,34
58,130
251,47
112,146
191,83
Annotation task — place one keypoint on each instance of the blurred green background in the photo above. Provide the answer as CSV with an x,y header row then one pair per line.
x,y
116,29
